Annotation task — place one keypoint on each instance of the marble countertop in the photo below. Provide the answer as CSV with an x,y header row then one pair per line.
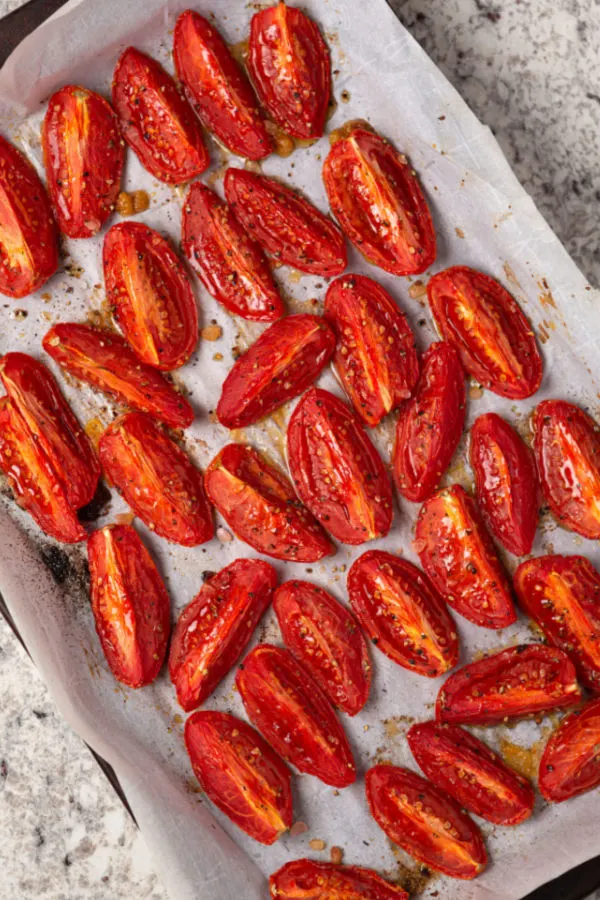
x,y
529,69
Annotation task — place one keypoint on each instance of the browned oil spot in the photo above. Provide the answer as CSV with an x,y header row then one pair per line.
x,y
417,290
239,51
283,143
414,880
543,334
545,297
475,391
459,232
345,130
511,277
397,725
94,429
525,760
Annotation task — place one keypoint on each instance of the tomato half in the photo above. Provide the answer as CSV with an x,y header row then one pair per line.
x,y
305,879
570,763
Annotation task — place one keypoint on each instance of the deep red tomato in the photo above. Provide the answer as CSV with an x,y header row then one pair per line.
x,y
305,879
570,763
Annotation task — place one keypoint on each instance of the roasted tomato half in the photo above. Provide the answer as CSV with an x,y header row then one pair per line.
x,y
240,774
425,822
570,763
376,197
289,708
305,879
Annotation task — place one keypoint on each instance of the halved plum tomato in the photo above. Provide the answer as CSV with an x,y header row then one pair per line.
x,y
464,767
157,479
156,120
282,363
131,606
459,556
217,87
487,326
259,503
375,354
566,443
376,197
402,613
425,822
213,630
570,763
240,774
84,157
524,680
430,424
336,469
151,295
28,232
286,225
305,879
327,640
291,711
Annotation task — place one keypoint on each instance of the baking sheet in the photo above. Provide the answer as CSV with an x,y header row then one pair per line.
x,y
483,218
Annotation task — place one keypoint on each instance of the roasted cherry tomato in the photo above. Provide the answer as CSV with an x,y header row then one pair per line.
x,y
327,640
375,354
258,502
337,471
218,88
464,767
425,822
487,326
284,361
570,763
520,681
376,197
130,604
430,424
240,774
289,708
459,556
156,120
28,232
83,156
150,293
304,879
157,479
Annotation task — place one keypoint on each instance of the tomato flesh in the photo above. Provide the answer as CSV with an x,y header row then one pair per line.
x,y
305,879
570,763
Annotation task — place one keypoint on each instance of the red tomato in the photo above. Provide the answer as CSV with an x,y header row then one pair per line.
x,y
156,120
425,822
260,505
83,156
284,361
157,480
240,774
376,197
337,471
217,87
326,638
459,556
130,604
150,293
304,879
469,771
487,326
430,424
294,715
570,763
375,355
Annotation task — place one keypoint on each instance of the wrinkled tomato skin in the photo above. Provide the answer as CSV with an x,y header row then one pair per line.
x,y
294,715
156,120
570,763
240,774
28,232
84,157
337,472
260,505
405,806
282,363
214,629
305,879
464,767
150,293
131,606
156,479
377,199
375,357
487,326
430,424
326,638
402,613
520,681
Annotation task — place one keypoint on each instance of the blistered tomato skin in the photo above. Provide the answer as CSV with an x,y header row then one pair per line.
x,y
570,763
305,879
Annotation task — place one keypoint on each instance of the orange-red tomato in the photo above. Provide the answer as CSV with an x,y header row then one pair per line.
x,y
570,763
305,879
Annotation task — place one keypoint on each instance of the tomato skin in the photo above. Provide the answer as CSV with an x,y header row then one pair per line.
x,y
326,638
466,768
240,774
375,356
305,879
430,424
294,715
402,613
403,804
570,763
